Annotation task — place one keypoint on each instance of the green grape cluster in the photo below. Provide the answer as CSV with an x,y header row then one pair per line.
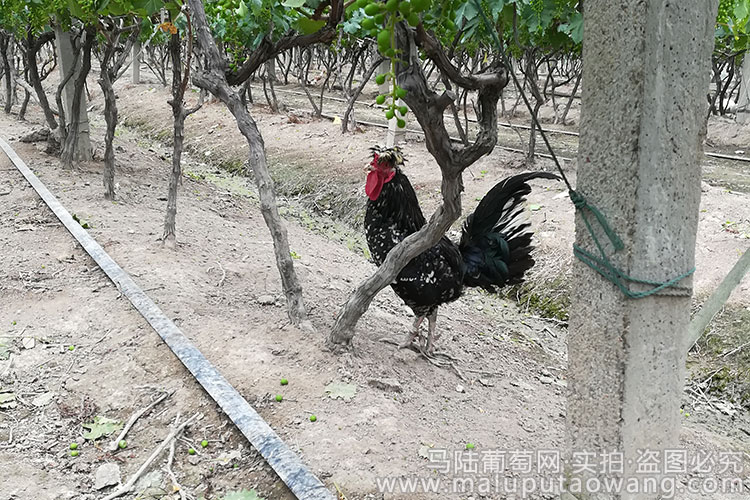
x,y
559,8
224,5
537,6
380,23
237,54
392,110
726,11
406,10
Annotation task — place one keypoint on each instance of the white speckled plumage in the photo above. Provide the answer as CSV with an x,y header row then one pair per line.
x,y
494,249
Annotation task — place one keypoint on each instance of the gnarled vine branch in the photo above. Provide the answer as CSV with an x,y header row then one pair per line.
x,y
428,107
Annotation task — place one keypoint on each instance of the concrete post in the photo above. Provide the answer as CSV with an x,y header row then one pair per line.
x,y
65,58
743,103
395,134
646,72
136,64
384,68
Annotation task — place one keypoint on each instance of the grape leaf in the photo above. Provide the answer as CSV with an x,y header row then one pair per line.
x,y
341,390
242,10
293,3
101,426
741,9
574,28
353,21
308,26
75,9
102,6
148,7
4,352
242,495
113,9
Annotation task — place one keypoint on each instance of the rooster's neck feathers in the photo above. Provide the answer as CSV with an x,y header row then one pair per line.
x,y
398,203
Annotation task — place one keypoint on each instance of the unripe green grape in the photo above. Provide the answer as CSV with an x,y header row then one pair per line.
x,y
372,9
404,8
400,123
726,9
373,32
362,3
380,79
400,93
391,5
413,19
389,114
368,23
420,5
384,37
403,110
381,98
390,53
384,40
379,19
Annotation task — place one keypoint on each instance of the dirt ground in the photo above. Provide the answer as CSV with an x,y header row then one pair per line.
x,y
221,288
214,141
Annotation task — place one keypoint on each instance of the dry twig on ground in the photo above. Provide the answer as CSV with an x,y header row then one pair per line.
x,y
128,486
113,445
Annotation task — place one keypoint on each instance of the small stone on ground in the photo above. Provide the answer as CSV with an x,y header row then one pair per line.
x,y
107,475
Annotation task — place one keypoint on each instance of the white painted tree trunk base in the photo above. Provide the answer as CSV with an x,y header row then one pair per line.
x,y
743,103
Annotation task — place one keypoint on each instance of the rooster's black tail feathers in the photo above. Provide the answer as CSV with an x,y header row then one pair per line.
x,y
495,246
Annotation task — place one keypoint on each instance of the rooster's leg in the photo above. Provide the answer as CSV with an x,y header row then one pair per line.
x,y
432,335
414,332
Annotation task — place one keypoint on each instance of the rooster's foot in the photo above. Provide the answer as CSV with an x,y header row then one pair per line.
x,y
409,342
432,335
414,333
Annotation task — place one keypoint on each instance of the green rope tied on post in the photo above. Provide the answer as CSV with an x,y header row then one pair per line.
x,y
581,204
602,264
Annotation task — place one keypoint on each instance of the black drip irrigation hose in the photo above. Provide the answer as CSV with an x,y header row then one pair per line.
x,y
283,460
420,132
711,154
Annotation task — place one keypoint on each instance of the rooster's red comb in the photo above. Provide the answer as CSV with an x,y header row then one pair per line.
x,y
393,155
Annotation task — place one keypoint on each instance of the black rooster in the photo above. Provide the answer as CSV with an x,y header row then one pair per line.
x,y
495,248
